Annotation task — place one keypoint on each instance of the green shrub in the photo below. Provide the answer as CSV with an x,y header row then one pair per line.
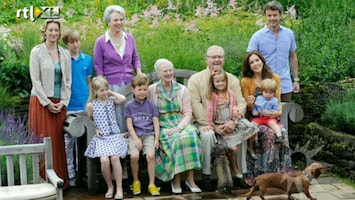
x,y
14,75
339,114
325,38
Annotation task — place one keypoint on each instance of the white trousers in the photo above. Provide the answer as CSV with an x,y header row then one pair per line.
x,y
70,148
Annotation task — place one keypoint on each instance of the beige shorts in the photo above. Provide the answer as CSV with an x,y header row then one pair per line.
x,y
147,142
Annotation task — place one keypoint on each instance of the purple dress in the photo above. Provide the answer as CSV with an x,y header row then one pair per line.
x,y
111,143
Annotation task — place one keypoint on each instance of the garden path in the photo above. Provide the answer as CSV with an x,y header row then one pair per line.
x,y
326,187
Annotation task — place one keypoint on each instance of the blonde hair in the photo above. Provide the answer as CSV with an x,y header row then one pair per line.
x,y
70,36
268,84
97,83
211,87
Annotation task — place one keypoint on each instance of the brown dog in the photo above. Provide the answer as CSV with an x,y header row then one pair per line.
x,y
291,183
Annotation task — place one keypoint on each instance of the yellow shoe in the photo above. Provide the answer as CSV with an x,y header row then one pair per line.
x,y
154,190
136,187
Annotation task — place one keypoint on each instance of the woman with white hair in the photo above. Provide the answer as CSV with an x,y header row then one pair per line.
x,y
180,146
116,57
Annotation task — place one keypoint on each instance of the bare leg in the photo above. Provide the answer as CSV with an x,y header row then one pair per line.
x,y
106,172
117,172
233,159
151,167
177,181
134,166
275,127
191,179
251,141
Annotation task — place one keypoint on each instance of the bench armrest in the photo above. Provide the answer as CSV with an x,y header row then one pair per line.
x,y
54,179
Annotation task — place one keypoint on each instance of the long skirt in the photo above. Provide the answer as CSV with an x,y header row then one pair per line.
x,y
271,157
46,124
178,153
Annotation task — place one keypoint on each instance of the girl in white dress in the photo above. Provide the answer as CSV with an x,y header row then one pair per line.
x,y
108,143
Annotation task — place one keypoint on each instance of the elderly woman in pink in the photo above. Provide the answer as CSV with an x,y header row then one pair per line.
x,y
116,57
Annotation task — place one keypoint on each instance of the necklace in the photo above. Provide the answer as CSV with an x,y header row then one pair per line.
x,y
116,42
54,53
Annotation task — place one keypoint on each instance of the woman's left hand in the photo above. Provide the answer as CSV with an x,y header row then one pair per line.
x,y
173,130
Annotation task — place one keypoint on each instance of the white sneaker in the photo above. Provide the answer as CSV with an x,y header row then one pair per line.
x,y
72,182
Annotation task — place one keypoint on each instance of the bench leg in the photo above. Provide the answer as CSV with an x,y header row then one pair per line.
x,y
92,176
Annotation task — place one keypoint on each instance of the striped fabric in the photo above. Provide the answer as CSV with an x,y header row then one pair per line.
x,y
178,152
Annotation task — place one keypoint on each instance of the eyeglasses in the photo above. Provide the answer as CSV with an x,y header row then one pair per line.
x,y
214,57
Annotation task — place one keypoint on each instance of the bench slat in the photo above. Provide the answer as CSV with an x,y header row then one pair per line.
x,y
10,170
18,149
23,169
35,167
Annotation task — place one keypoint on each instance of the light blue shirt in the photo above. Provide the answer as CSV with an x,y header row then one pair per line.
x,y
276,52
261,103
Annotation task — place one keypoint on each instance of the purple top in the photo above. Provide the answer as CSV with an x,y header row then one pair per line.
x,y
109,63
142,116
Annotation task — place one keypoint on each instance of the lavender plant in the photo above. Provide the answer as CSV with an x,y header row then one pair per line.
x,y
13,131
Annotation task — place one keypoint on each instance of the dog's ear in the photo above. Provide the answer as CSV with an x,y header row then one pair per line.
x,y
317,172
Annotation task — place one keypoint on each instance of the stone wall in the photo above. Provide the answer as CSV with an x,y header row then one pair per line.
x,y
338,148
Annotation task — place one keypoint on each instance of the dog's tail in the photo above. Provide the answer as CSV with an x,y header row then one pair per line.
x,y
252,189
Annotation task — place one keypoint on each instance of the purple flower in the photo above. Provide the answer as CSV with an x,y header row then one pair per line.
x,y
292,11
13,129
233,4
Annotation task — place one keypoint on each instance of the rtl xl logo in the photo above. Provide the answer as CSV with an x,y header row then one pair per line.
x,y
44,12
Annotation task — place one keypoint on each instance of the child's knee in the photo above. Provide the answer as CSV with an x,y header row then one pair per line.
x,y
134,157
150,157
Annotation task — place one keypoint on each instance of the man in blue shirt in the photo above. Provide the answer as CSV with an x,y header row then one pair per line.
x,y
82,70
278,45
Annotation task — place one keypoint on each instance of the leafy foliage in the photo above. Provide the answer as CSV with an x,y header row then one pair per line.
x,y
339,114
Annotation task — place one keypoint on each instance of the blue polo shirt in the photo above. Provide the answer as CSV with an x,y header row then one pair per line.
x,y
276,52
82,68
142,115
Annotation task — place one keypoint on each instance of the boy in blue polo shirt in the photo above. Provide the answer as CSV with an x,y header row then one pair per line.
x,y
82,69
142,118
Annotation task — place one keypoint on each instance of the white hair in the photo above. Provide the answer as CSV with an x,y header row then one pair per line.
x,y
160,61
114,8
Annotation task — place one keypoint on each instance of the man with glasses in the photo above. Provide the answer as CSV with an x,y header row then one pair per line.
x,y
198,87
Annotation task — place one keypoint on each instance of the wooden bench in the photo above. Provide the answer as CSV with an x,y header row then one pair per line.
x,y
89,172
37,188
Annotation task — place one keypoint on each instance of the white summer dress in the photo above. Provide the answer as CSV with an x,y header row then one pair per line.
x,y
111,143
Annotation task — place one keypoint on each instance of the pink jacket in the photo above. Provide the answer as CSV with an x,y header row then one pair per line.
x,y
212,107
